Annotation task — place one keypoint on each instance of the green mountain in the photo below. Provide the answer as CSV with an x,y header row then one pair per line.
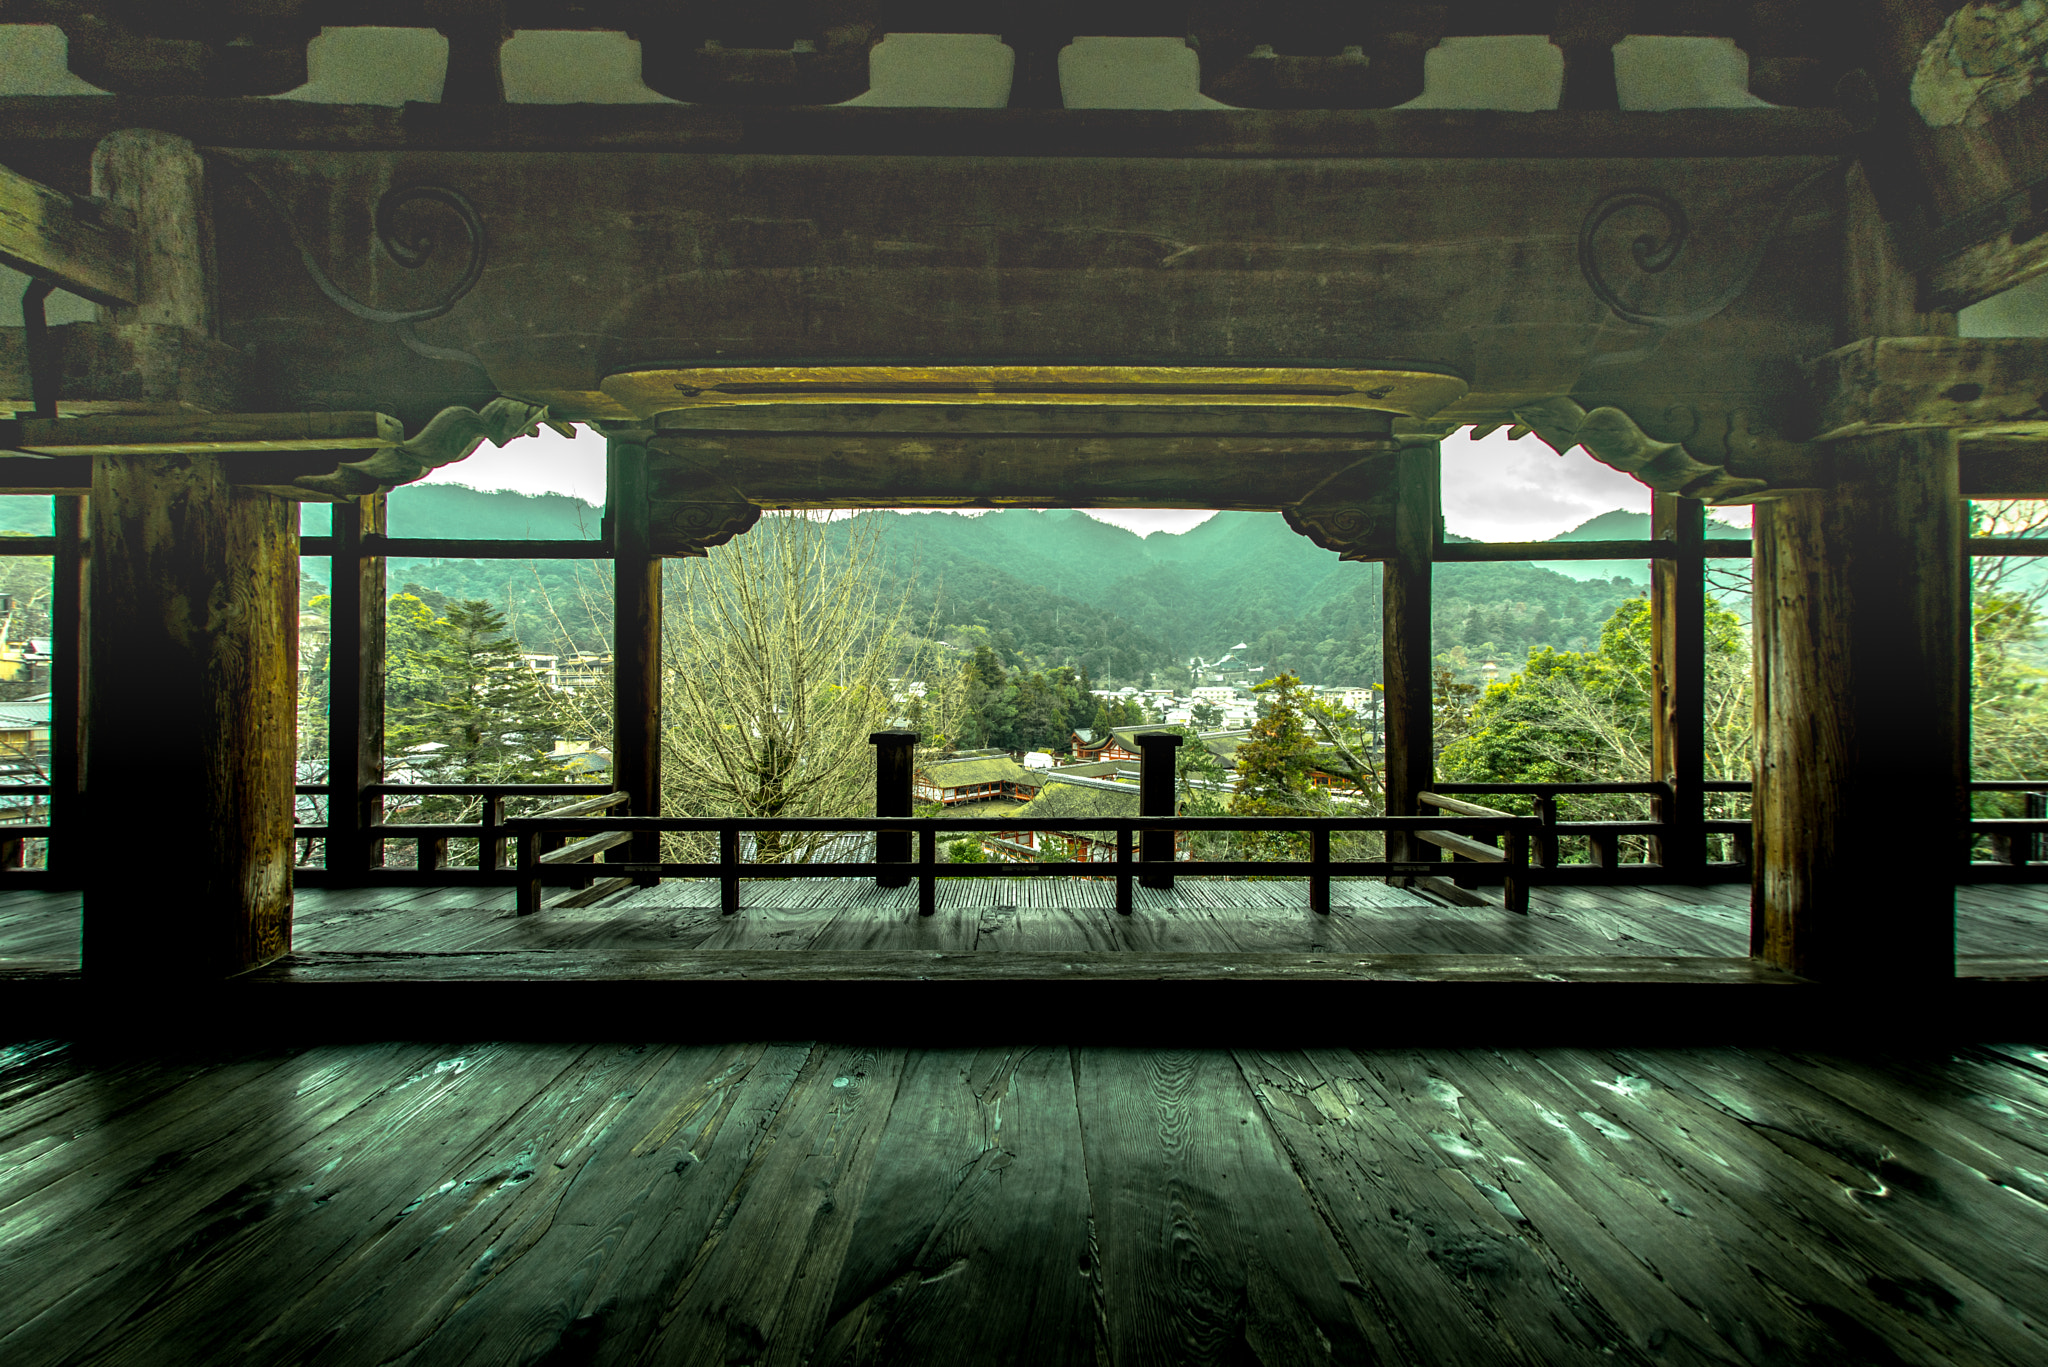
x,y
1618,524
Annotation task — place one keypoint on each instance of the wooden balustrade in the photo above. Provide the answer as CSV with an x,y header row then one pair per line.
x,y
729,869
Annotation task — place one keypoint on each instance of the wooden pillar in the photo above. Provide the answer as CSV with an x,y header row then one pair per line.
x,y
191,630
190,703
1862,676
636,638
1678,626
1410,705
67,694
355,691
1861,703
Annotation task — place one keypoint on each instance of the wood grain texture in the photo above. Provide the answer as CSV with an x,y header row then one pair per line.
x,y
193,623
1861,687
480,1202
80,246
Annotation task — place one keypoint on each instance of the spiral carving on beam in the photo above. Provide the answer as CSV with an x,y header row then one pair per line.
x,y
1655,251
411,250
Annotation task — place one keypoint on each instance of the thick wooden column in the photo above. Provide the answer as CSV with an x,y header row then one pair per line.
x,y
355,691
190,704
191,624
636,635
1678,626
67,688
1410,707
1861,699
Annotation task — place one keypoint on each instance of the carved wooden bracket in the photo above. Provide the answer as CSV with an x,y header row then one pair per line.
x,y
692,528
451,435
1351,512
1611,437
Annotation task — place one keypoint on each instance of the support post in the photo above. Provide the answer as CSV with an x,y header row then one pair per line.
x,y
894,753
1678,653
355,692
1408,664
192,627
636,640
1155,798
1861,702
67,692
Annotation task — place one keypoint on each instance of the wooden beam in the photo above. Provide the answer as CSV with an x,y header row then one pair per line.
x,y
2004,467
807,470
1862,704
202,433
33,121
1678,622
636,634
1408,661
79,245
1973,386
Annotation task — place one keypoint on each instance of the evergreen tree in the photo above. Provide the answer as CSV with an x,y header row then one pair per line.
x,y
485,716
1273,768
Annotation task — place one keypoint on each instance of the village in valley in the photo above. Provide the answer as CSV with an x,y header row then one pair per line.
x,y
1096,773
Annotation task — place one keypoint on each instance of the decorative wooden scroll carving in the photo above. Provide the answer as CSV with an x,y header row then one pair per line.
x,y
1611,437
451,435
691,529
1347,514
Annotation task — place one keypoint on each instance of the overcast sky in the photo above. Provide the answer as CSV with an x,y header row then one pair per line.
x,y
1496,490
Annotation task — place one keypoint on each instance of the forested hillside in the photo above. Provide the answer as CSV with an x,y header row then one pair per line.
x,y
1059,588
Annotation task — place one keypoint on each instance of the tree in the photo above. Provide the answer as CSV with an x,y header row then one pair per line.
x,y
479,714
1207,714
1273,769
780,651
1572,717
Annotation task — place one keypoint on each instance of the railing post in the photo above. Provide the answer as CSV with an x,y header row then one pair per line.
x,y
1123,869
1546,838
729,871
490,842
1155,798
1515,888
895,750
2037,809
528,897
927,871
1319,870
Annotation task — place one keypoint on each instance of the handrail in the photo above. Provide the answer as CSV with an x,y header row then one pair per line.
x,y
528,832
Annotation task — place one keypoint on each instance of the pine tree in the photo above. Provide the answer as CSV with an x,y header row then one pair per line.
x,y
485,715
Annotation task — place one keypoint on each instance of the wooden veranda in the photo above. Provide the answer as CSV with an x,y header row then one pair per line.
x,y
1281,296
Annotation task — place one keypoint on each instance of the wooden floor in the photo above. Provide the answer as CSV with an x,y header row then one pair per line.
x,y
826,1203
1198,915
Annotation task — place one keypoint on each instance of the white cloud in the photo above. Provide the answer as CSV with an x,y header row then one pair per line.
x,y
1501,490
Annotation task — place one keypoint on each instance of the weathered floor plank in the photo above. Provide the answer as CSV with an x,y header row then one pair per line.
x,y
972,1244
39,929
419,1203
1208,1250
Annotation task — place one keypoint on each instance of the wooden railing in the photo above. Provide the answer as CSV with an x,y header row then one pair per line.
x,y
1319,868
1603,838
490,830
